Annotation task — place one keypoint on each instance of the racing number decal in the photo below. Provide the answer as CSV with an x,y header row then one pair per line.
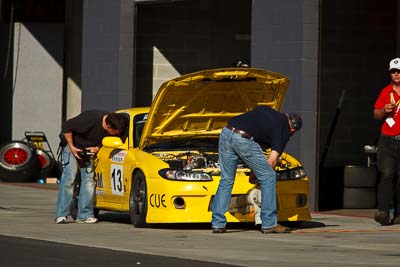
x,y
116,175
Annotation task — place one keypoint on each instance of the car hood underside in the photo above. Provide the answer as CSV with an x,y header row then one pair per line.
x,y
200,104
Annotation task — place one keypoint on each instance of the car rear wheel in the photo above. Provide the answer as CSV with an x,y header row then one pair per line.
x,y
18,162
138,200
73,208
96,213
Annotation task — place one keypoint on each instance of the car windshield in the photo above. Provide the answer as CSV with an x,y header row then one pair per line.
x,y
138,121
201,144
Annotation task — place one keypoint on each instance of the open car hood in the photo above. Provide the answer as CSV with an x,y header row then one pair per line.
x,y
199,104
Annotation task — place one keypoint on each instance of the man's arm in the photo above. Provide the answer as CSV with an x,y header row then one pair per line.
x,y
70,142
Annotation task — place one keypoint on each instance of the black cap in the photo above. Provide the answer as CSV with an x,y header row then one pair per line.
x,y
295,121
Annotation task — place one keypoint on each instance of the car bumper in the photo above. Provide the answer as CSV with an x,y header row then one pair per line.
x,y
178,207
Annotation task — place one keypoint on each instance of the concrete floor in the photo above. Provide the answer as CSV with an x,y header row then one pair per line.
x,y
335,238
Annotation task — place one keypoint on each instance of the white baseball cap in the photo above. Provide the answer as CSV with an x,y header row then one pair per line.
x,y
394,64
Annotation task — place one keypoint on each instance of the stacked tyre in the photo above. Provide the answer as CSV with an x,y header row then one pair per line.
x,y
19,162
359,187
47,163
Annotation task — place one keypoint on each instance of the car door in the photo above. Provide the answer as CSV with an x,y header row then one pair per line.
x,y
110,172
114,169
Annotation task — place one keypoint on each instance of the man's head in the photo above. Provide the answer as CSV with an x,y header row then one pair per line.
x,y
240,64
394,69
115,123
295,122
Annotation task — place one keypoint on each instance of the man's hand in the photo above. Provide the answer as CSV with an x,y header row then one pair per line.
x,y
389,107
75,151
273,158
93,149
381,112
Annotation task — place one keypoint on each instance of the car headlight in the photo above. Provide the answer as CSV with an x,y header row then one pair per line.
x,y
184,175
291,174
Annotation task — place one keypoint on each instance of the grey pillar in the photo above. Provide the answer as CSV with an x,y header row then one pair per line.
x,y
107,54
285,39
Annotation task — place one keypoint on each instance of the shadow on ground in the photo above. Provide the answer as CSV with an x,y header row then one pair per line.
x,y
116,217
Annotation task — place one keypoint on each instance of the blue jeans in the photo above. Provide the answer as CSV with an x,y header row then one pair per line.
x,y
233,146
70,170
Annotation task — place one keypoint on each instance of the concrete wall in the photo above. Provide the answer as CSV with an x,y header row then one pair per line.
x,y
285,39
6,76
107,54
177,38
180,37
72,94
356,46
38,76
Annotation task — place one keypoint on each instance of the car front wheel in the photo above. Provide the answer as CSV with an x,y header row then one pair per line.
x,y
138,200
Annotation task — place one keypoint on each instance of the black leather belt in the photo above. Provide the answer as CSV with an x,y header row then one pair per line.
x,y
395,137
242,133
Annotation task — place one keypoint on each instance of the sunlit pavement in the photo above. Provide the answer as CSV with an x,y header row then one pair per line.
x,y
344,237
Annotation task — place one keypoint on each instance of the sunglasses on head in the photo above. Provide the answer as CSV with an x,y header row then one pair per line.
x,y
393,71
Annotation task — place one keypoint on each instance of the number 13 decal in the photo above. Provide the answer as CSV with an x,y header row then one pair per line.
x,y
117,186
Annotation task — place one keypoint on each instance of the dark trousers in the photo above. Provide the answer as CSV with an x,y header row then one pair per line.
x,y
388,161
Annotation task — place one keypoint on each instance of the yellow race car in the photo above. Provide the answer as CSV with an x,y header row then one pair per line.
x,y
166,168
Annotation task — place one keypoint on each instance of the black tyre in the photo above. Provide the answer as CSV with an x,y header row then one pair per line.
x,y
46,163
73,208
18,162
96,213
359,198
57,169
359,176
138,200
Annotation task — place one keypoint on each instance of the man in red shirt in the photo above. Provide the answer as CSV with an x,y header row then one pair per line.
x,y
387,109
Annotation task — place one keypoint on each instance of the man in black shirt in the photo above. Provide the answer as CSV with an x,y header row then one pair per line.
x,y
83,132
246,136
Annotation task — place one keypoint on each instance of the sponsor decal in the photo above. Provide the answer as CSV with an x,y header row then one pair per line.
x,y
100,192
119,157
157,200
99,179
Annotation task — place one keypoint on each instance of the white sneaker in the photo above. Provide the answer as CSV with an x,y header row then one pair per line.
x,y
88,220
61,220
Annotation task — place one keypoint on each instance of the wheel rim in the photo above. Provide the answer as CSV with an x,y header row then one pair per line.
x,y
139,197
140,201
44,158
15,154
42,161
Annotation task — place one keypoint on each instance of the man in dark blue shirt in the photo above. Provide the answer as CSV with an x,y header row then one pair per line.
x,y
246,136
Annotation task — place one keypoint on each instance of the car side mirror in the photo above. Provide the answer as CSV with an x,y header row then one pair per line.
x,y
112,141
